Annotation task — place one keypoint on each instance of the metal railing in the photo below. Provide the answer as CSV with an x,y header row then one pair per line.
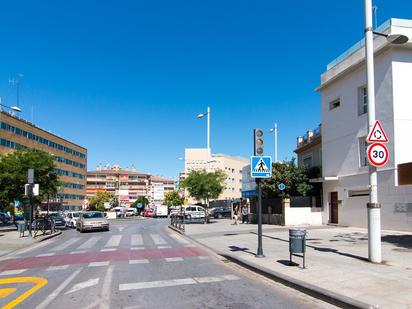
x,y
178,221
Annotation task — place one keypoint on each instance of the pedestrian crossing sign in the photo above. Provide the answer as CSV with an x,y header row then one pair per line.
x,y
261,167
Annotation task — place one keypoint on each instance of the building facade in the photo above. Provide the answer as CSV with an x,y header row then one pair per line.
x,y
200,159
70,158
127,184
345,166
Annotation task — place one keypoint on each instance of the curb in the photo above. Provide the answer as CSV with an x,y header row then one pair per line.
x,y
304,287
49,236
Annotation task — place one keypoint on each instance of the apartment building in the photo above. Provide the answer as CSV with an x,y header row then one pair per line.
x,y
70,158
127,184
202,159
345,168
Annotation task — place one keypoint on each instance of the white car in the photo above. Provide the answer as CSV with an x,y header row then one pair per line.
x,y
71,218
195,212
131,212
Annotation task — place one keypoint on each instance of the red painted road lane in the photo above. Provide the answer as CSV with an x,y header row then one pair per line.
x,y
85,258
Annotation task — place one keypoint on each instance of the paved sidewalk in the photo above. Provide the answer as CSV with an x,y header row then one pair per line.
x,y
336,260
10,241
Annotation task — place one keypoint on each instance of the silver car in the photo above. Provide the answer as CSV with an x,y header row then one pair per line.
x,y
92,221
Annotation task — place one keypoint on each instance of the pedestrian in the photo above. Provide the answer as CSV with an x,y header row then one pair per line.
x,y
244,214
236,215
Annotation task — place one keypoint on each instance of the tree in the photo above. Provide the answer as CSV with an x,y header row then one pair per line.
x,y
295,178
142,200
204,186
172,198
13,175
97,201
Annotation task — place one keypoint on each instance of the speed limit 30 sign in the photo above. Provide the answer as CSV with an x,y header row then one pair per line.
x,y
378,154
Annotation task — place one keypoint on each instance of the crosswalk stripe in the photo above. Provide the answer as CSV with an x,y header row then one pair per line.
x,y
46,254
164,247
98,264
108,249
83,285
90,242
62,267
77,252
137,240
137,248
65,244
158,240
174,259
114,241
12,272
144,261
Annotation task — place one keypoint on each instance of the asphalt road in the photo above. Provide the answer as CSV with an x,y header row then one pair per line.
x,y
138,264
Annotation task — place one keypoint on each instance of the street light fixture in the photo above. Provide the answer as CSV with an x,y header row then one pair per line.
x,y
200,116
374,211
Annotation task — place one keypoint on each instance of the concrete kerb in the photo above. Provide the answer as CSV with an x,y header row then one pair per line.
x,y
45,237
304,287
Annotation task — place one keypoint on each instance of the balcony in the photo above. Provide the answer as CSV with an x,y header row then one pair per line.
x,y
310,136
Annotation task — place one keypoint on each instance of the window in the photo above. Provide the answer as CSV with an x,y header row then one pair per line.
x,y
334,104
357,193
362,100
363,146
307,161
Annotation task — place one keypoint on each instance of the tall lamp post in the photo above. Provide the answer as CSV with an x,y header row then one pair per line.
x,y
199,116
374,211
275,131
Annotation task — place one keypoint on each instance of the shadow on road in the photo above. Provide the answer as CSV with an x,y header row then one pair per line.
x,y
404,241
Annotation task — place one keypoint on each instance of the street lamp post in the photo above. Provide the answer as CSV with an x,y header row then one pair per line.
x,y
374,211
208,135
275,131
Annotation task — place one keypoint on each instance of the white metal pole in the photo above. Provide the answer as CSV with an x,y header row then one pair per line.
x,y
276,142
374,212
208,138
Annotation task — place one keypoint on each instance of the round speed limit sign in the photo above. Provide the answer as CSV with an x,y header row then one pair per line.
x,y
378,154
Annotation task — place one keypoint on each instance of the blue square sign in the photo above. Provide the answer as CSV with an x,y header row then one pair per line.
x,y
261,167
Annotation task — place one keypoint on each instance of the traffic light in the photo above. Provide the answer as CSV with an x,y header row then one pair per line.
x,y
258,142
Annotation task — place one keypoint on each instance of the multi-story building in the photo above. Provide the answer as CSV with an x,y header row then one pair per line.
x,y
345,166
70,159
308,148
200,159
127,184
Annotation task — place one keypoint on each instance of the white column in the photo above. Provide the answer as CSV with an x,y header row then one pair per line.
x,y
374,220
208,140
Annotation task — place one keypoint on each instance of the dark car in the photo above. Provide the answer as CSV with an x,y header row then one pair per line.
x,y
220,213
4,217
59,222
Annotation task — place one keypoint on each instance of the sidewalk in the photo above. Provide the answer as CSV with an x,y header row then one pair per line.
x,y
336,261
10,240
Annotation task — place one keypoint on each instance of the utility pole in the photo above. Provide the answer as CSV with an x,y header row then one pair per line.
x,y
374,208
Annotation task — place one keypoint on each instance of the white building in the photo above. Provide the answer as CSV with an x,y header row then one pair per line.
x,y
199,159
344,129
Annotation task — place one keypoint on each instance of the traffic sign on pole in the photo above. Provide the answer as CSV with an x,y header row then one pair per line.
x,y
377,135
261,167
378,154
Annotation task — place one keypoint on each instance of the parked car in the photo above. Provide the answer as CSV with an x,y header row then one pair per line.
x,y
59,222
131,212
195,212
223,212
91,221
148,213
71,218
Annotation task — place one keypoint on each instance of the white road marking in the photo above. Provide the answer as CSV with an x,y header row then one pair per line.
x,y
144,261
66,244
62,267
203,257
174,282
137,240
158,240
174,259
105,293
108,249
83,285
189,246
46,254
137,248
90,243
98,264
180,239
12,272
121,228
57,291
77,252
114,241
164,247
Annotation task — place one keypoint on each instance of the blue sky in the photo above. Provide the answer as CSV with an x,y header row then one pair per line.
x,y
126,79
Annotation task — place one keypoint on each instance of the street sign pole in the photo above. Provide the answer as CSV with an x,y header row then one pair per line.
x,y
259,253
30,181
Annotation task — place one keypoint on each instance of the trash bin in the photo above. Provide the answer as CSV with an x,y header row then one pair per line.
x,y
21,228
297,243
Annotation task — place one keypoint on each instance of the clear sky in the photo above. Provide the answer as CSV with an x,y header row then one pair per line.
x,y
126,79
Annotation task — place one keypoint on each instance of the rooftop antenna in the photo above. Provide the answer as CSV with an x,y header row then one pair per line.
x,y
375,13
16,82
